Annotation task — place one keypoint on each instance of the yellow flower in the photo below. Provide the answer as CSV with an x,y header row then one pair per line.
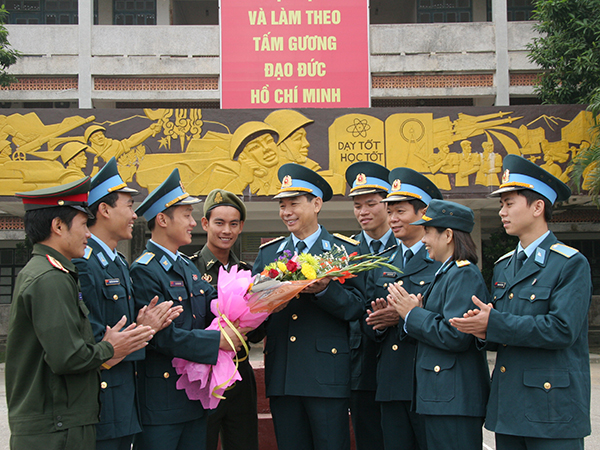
x,y
308,272
281,267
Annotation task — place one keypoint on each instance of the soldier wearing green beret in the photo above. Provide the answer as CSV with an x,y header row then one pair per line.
x,y
53,361
236,417
170,420
307,352
451,377
537,321
108,294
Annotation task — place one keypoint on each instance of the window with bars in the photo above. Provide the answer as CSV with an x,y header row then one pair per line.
x,y
444,11
134,12
42,11
517,10
12,261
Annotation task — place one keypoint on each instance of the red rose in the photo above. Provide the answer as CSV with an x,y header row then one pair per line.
x,y
273,273
291,266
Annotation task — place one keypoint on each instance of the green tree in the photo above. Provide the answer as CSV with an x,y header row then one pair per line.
x,y
586,164
568,50
498,244
8,55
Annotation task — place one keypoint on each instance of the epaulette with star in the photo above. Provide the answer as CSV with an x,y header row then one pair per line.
x,y
462,263
564,250
272,241
346,239
56,263
145,258
504,256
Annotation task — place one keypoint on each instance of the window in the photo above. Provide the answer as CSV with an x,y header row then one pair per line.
x,y
134,12
48,12
444,11
517,10
12,261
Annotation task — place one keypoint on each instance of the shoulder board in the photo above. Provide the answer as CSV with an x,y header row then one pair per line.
x,y
504,256
387,250
88,252
564,250
272,241
462,263
346,238
56,263
102,259
145,258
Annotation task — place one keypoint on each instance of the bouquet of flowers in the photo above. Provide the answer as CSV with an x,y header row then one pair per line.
x,y
206,382
283,279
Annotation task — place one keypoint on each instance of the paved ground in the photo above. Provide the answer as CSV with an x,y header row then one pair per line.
x,y
591,443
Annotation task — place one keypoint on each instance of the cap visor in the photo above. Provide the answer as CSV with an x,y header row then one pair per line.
x,y
188,201
365,191
127,190
287,194
398,198
497,192
83,209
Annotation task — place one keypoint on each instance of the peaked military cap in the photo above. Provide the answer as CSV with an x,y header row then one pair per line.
x,y
299,180
74,194
445,214
107,181
367,178
520,173
221,197
287,122
408,184
170,193
248,132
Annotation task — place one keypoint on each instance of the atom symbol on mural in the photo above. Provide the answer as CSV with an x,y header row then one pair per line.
x,y
359,128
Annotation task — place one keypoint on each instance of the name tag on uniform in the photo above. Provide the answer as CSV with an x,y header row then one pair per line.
x,y
500,284
176,283
389,274
112,282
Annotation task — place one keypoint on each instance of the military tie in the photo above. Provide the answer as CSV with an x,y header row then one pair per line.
x,y
407,256
300,247
375,245
521,257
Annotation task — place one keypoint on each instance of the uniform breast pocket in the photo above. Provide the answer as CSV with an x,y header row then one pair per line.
x,y
436,378
333,360
547,399
381,285
420,282
158,387
116,302
178,295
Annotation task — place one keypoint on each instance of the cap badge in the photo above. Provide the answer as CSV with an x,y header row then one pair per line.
x,y
286,182
218,198
361,179
396,185
506,176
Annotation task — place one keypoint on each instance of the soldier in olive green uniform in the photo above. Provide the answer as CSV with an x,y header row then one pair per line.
x,y
368,186
53,361
538,324
236,418
410,193
307,352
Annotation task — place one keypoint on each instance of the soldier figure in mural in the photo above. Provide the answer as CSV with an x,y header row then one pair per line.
x,y
491,165
75,160
293,145
468,165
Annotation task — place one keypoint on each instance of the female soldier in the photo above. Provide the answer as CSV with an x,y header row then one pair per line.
x,y
451,374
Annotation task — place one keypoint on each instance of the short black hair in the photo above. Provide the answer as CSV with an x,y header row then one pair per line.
x,y
209,212
532,196
416,204
109,199
464,246
38,222
168,212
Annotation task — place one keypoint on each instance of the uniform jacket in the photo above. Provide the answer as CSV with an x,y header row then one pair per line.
x,y
52,360
452,376
307,349
541,383
363,351
154,273
107,292
395,366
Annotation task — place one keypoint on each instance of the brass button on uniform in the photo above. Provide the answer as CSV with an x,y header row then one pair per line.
x,y
294,316
103,385
510,296
436,369
179,298
293,338
532,297
334,351
115,297
494,297
421,282
395,347
547,385
502,369
400,283
166,375
202,291
385,285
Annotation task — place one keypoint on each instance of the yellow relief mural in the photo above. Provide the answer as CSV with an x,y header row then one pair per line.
x,y
462,153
